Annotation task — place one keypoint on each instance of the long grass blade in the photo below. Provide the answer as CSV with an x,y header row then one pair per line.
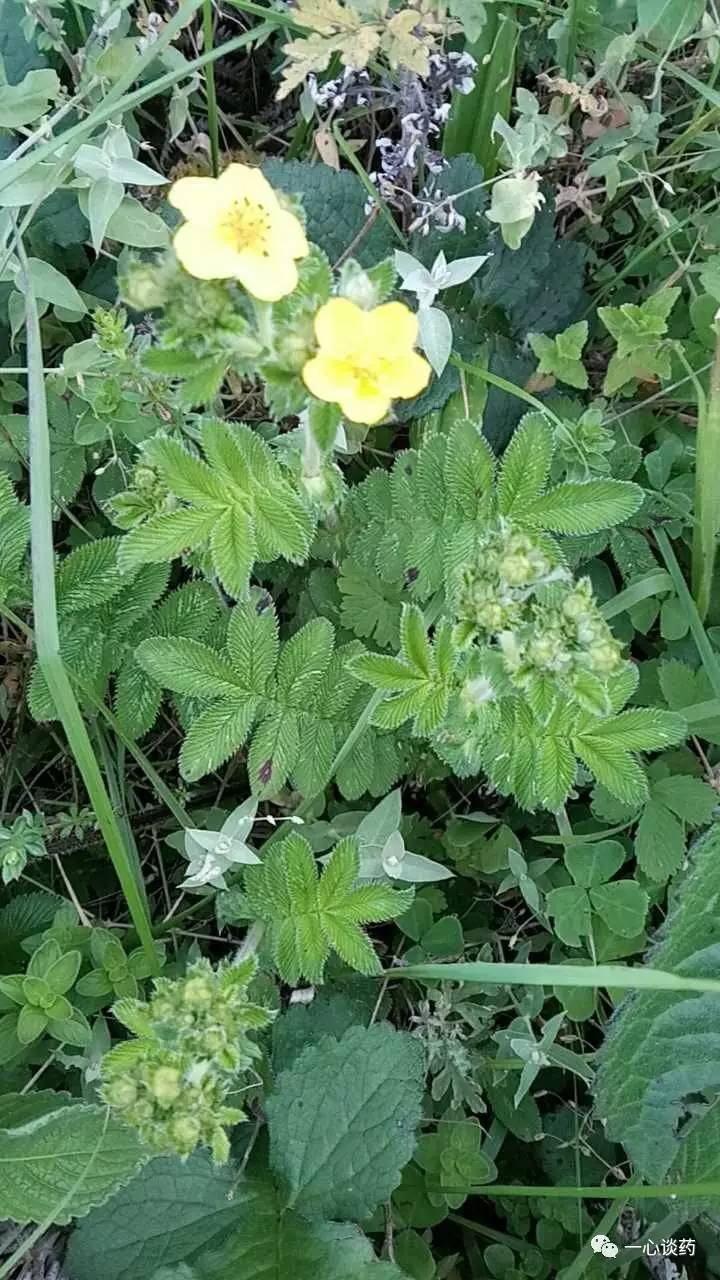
x,y
613,976
47,641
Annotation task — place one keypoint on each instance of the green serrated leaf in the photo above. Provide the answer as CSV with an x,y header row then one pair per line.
x,y
60,1163
574,508
342,1121
173,1210
307,915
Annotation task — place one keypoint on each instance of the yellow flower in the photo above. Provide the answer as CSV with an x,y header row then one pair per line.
x,y
365,358
236,229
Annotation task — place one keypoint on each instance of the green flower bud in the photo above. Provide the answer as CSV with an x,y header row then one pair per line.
x,y
604,658
197,993
165,1085
143,285
121,1093
185,1132
516,570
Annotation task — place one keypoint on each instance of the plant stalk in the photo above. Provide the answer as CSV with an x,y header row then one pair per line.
x,y
47,640
213,128
707,489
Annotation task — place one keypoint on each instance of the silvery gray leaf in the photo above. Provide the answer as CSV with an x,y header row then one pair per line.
x,y
435,337
239,823
462,269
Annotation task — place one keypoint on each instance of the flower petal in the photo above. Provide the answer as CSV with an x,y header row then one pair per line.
x,y
266,278
393,329
287,235
203,255
328,378
364,405
196,198
406,376
246,182
340,327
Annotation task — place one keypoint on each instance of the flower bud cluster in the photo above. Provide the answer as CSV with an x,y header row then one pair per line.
x,y
511,565
523,603
147,495
564,638
172,1081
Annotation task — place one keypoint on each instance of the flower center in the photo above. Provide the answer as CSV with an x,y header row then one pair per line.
x,y
245,225
366,370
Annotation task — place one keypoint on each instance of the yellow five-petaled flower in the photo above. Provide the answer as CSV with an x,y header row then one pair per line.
x,y
365,359
236,229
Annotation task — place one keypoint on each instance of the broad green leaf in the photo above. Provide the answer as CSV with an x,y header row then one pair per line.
x,y
303,661
413,639
690,798
570,909
89,576
171,1211
555,771
640,729
164,536
103,199
234,550
283,525
185,474
614,767
468,469
384,672
594,864
253,643
622,905
50,285
668,22
23,103
573,508
274,751
61,1163
270,1242
342,1121
134,225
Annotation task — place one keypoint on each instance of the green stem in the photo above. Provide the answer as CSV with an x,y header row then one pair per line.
x,y
502,383
572,35
707,489
489,1233
708,656
355,164
213,130
47,641
151,773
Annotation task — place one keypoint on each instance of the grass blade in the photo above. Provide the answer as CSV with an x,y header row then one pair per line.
x,y
708,656
617,976
213,129
47,641
707,490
